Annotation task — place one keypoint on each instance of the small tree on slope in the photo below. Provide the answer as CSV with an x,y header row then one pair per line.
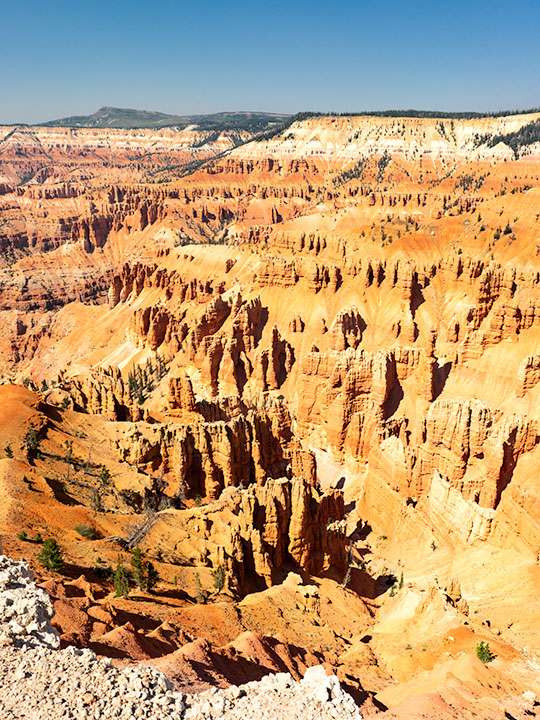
x,y
50,556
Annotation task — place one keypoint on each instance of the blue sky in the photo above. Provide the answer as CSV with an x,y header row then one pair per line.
x,y
62,58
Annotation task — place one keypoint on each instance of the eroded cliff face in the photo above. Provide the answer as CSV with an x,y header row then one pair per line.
x,y
254,533
362,268
326,336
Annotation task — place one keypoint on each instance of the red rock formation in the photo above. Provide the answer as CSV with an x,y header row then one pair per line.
x,y
270,525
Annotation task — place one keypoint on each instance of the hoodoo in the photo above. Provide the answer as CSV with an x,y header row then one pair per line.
x,y
269,383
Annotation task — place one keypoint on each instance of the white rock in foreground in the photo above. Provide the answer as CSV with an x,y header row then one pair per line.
x,y
40,682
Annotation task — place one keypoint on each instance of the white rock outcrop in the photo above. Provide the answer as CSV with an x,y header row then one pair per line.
x,y
38,681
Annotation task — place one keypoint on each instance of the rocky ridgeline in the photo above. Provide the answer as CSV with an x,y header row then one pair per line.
x,y
38,680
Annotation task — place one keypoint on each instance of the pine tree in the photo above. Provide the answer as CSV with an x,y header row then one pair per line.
x,y
97,502
152,577
143,571
199,593
219,578
50,556
121,579
138,569
104,476
31,441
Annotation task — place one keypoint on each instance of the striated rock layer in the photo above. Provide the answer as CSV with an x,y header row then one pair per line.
x,y
317,353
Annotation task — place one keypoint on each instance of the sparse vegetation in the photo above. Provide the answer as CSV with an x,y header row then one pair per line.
x,y
526,135
31,442
219,576
121,578
484,653
200,595
50,556
382,164
142,379
104,476
355,172
143,571
85,531
96,501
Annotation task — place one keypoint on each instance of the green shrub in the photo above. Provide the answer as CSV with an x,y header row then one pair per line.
x,y
484,653
85,531
23,536
50,556
8,451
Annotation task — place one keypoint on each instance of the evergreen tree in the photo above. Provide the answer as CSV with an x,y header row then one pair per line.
x,y
31,441
484,653
121,579
219,578
138,569
97,502
199,593
152,577
50,556
104,476
143,571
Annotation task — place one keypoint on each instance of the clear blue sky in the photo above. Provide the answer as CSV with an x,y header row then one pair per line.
x,y
61,58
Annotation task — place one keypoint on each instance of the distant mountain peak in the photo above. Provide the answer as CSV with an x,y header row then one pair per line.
x,y
125,118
